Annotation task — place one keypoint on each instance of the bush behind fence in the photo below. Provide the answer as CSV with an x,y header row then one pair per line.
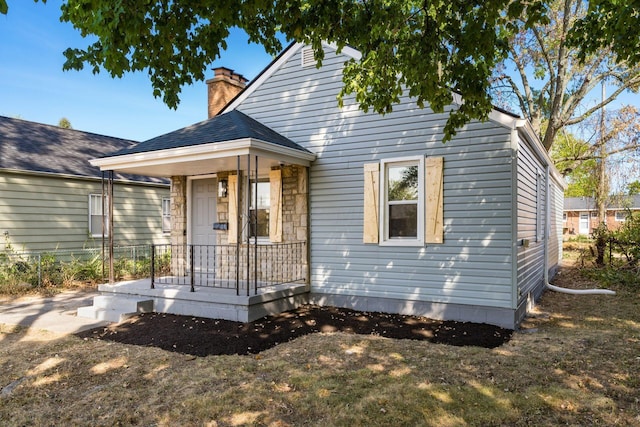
x,y
61,268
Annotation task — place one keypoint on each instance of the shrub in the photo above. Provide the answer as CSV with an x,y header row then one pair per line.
x,y
627,239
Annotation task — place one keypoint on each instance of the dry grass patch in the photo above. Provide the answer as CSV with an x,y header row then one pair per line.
x,y
576,362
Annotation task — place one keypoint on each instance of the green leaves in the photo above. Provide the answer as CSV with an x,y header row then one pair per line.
x,y
429,48
609,23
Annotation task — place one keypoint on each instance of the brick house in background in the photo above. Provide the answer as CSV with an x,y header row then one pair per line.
x,y
580,214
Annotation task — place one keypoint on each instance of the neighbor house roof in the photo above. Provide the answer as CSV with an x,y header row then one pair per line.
x,y
589,204
231,126
36,147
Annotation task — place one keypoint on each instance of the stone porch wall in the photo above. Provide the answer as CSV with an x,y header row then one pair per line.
x,y
295,213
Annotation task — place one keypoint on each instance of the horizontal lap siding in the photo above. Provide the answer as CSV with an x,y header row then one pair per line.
x,y
46,213
555,236
530,205
473,266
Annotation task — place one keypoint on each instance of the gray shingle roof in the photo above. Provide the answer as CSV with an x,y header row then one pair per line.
x,y
588,203
225,127
36,147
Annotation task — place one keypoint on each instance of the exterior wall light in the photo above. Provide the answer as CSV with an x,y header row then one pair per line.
x,y
223,187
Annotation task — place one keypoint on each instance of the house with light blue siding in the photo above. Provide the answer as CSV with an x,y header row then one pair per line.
x,y
51,198
284,198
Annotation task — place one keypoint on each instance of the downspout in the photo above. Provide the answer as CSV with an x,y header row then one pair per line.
x,y
546,251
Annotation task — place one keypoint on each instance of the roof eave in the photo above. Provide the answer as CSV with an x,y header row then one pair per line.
x,y
217,150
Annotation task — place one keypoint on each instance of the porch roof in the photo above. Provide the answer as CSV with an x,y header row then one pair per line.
x,y
207,147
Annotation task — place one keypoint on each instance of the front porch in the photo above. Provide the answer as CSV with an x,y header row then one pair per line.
x,y
232,282
205,301
239,211
245,269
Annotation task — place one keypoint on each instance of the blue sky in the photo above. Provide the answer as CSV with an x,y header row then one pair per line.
x,y
34,87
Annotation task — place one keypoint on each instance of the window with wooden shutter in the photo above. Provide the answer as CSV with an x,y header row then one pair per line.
x,y
403,201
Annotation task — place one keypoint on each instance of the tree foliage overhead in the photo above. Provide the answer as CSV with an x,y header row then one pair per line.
x,y
610,151
429,47
633,188
614,23
550,83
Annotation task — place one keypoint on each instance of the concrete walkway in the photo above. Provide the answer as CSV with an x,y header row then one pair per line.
x,y
56,314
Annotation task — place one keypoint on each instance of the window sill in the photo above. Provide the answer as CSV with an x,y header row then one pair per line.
x,y
407,243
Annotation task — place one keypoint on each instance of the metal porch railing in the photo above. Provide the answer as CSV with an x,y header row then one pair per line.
x,y
245,268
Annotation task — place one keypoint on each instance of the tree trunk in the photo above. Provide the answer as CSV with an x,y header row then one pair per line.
x,y
601,195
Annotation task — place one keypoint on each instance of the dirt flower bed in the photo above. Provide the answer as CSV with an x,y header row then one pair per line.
x,y
204,337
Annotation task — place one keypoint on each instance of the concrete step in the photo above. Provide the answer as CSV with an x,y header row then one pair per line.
x,y
115,308
125,304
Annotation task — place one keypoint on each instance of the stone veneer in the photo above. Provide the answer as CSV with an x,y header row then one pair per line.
x,y
295,213
295,204
178,220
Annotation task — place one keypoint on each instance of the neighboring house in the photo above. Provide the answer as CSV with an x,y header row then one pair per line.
x,y
384,215
580,215
51,197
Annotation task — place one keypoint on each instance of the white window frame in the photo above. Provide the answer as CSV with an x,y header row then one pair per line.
x,y
593,214
624,216
384,203
99,214
564,217
165,214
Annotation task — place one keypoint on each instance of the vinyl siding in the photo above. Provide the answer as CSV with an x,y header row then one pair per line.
x,y
556,201
472,267
531,211
46,212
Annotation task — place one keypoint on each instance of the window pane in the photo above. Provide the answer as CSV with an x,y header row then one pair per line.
x,y
96,204
403,220
263,189
96,225
403,183
264,195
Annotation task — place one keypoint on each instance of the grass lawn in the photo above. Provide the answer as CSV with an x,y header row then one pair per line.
x,y
576,362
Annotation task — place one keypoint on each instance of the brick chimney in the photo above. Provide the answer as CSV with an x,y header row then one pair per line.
x,y
224,85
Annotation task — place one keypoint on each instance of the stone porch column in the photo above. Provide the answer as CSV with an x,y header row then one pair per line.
x,y
178,224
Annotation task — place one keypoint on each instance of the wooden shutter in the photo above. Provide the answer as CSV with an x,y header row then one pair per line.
x,y
433,230
275,205
371,203
233,208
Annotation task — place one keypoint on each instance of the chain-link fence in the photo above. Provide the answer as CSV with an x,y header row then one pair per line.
x,y
61,267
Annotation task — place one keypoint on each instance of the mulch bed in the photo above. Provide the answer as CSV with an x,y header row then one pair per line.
x,y
203,337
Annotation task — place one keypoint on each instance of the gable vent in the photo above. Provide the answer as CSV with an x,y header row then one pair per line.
x,y
307,57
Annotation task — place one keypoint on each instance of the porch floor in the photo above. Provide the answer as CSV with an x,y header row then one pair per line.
x,y
214,303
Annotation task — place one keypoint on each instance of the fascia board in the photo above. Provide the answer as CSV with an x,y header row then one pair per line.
x,y
263,77
201,152
266,74
526,131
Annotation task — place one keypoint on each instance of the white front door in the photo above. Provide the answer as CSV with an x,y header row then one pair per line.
x,y
583,226
203,202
